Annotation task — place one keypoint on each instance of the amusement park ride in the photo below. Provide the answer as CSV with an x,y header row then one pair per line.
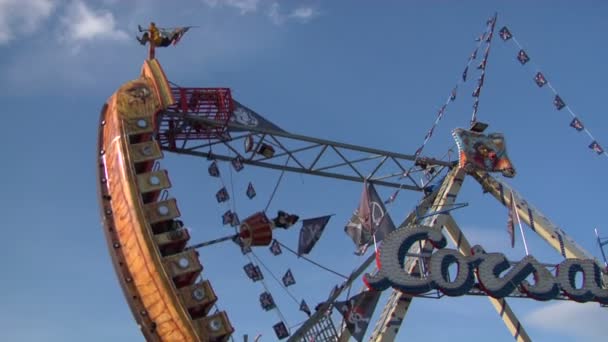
x,y
159,271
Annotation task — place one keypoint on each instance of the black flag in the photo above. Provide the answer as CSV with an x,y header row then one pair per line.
x,y
595,146
577,124
505,34
266,301
559,103
523,57
311,232
214,171
357,312
304,307
280,330
275,248
382,224
253,272
250,191
288,279
540,79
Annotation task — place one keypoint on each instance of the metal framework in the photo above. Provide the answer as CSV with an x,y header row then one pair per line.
x,y
200,135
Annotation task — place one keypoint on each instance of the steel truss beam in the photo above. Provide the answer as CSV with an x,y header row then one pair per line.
x,y
295,153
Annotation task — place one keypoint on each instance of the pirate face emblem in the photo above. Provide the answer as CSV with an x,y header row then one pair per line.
x,y
358,320
243,117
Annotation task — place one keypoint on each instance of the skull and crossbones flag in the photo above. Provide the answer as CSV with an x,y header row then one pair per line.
x,y
540,79
311,233
250,191
253,272
237,163
266,301
288,279
228,217
505,34
523,57
214,171
595,146
222,195
281,330
304,307
577,124
358,311
275,248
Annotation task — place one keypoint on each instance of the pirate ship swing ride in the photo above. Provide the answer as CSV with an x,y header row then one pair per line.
x,y
160,272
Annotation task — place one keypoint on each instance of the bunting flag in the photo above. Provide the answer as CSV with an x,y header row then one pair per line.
x,y
464,74
540,79
250,191
453,94
235,220
511,220
483,152
358,311
227,217
482,65
476,91
523,57
266,301
237,163
288,279
280,330
595,146
577,124
311,233
275,248
214,171
253,272
559,103
505,34
304,308
392,198
473,55
379,223
222,195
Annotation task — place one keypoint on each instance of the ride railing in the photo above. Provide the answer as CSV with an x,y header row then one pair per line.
x,y
209,103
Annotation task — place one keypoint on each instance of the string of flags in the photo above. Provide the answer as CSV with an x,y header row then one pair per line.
x,y
558,102
485,38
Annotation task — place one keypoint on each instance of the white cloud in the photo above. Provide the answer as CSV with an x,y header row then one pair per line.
x,y
244,6
275,15
83,24
22,17
303,13
581,321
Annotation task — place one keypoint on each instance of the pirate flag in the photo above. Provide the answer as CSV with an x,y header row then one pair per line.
x,y
237,163
266,301
505,34
222,195
540,79
482,65
227,217
235,220
253,272
464,74
392,197
288,279
275,248
473,55
310,233
577,124
357,312
304,307
250,191
280,330
595,146
523,57
453,94
214,171
559,103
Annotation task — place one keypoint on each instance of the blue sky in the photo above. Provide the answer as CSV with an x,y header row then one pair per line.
x,y
359,72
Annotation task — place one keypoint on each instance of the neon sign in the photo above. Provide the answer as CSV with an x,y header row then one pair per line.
x,y
495,274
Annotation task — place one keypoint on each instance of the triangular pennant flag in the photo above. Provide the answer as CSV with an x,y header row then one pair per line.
x,y
473,55
559,103
250,191
275,248
227,217
464,74
288,279
481,79
237,163
235,220
266,301
540,79
523,57
304,307
482,65
505,34
214,171
577,124
476,91
453,94
280,330
311,233
222,195
441,112
595,146
511,220
429,134
392,198
357,312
